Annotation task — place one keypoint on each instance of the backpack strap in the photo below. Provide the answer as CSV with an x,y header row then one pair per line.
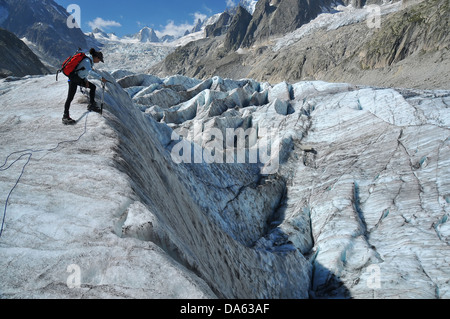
x,y
83,68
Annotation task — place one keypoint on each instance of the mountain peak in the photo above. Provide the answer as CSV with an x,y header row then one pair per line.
x,y
147,34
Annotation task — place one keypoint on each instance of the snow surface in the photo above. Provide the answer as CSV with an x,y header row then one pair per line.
x,y
67,206
250,5
358,206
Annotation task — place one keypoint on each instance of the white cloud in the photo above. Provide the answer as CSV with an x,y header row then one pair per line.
x,y
178,30
231,3
200,16
103,24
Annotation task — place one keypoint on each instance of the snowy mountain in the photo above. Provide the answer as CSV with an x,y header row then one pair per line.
x,y
147,35
337,190
100,34
249,5
139,52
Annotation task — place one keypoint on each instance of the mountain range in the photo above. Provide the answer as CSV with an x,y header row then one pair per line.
x,y
255,38
408,49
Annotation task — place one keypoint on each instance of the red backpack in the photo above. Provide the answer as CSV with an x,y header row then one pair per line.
x,y
71,63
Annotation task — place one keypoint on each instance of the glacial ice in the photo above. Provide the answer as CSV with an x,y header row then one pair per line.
x,y
357,205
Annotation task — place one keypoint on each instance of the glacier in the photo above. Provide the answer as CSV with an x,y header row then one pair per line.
x,y
356,207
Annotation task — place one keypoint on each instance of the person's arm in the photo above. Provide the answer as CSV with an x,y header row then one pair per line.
x,y
90,72
95,75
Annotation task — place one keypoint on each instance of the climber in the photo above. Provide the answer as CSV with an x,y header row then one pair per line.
x,y
79,78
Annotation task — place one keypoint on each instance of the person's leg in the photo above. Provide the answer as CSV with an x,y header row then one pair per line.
x,y
92,89
92,104
70,95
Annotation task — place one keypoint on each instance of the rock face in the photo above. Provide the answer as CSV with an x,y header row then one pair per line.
x,y
237,31
16,59
421,29
220,27
277,17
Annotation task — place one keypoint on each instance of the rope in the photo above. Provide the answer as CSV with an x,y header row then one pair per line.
x,y
30,153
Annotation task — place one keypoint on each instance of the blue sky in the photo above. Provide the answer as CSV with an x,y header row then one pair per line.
x,y
129,16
